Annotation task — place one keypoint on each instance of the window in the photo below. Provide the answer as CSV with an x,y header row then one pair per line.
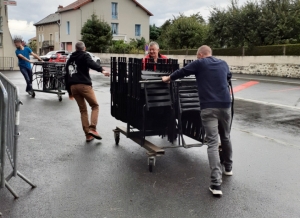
x,y
68,27
1,23
114,10
137,29
1,39
114,28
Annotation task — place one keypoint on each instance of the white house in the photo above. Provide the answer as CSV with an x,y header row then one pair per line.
x,y
8,59
128,19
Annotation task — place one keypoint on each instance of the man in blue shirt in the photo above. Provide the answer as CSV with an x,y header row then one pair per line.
x,y
212,76
23,54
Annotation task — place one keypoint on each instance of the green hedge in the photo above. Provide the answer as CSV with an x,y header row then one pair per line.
x,y
264,50
228,51
272,50
292,49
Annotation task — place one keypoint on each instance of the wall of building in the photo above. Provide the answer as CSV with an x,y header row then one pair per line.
x,y
280,66
128,16
43,34
74,17
7,49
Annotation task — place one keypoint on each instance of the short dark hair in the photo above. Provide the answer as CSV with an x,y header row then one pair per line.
x,y
18,39
80,46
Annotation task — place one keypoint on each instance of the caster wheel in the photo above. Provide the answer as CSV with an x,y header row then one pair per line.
x,y
60,98
151,164
33,95
117,137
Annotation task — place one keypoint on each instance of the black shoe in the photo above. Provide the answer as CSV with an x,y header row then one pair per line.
x,y
216,190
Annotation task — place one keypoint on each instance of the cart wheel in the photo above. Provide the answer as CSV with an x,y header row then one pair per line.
x,y
151,163
60,98
33,94
117,137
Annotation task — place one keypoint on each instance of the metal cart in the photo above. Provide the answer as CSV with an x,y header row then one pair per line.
x,y
150,107
49,77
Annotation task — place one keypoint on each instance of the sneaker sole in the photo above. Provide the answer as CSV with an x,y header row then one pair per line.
x,y
95,136
216,192
228,173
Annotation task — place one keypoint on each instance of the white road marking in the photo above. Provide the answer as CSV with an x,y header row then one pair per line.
x,y
267,138
268,103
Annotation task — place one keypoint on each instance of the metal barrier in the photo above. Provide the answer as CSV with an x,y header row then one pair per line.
x,y
11,120
3,112
6,63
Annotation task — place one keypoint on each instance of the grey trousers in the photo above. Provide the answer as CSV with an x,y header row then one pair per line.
x,y
216,121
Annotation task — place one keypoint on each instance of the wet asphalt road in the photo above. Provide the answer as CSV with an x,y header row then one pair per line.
x,y
99,179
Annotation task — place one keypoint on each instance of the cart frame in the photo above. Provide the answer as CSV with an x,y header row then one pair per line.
x,y
50,78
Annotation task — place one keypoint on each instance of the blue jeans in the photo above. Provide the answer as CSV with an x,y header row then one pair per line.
x,y
27,73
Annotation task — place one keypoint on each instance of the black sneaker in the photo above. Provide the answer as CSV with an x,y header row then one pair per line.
x,y
216,190
228,171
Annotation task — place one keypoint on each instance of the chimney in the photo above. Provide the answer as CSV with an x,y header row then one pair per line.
x,y
60,7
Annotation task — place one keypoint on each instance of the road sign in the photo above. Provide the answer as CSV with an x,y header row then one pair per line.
x,y
11,3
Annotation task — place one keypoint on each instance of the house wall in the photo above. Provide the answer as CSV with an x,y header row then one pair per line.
x,y
7,50
43,34
74,17
128,15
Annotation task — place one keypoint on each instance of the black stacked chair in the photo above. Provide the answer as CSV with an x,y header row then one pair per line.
x,y
158,110
189,113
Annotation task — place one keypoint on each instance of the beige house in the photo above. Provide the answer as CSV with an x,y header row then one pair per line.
x,y
47,34
8,59
128,19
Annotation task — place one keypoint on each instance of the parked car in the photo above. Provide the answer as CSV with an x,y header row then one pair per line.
x,y
49,54
95,58
58,57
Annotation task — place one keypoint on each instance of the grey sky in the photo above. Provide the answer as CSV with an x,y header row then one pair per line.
x,y
28,12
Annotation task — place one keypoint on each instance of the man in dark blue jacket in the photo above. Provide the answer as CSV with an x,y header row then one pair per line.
x,y
212,76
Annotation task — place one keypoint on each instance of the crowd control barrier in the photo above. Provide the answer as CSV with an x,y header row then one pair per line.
x,y
10,119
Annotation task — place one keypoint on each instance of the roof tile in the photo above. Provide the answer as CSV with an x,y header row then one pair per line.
x,y
52,18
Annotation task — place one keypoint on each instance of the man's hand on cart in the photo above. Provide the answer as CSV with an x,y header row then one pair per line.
x,y
105,72
166,79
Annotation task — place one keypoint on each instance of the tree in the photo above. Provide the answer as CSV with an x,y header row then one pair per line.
x,y
264,22
185,32
138,43
119,46
154,32
96,34
33,46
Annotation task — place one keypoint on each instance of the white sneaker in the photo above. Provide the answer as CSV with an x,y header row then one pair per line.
x,y
216,190
228,173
